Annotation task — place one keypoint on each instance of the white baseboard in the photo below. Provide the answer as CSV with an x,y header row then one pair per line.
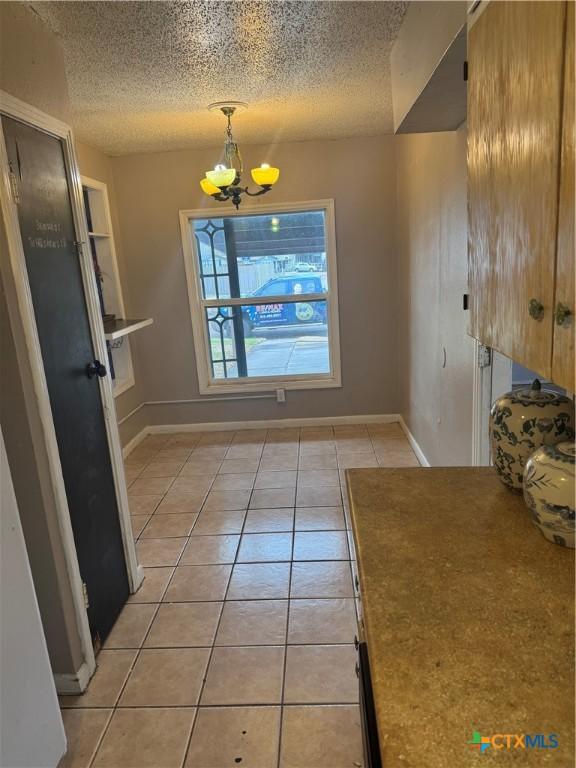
x,y
412,440
73,683
321,421
129,447
139,578
222,426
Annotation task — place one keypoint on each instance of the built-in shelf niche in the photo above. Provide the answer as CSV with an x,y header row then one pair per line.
x,y
116,326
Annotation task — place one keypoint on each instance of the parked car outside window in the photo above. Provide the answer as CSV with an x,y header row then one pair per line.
x,y
303,266
282,314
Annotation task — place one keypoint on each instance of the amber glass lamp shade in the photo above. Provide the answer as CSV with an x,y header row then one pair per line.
x,y
265,176
208,187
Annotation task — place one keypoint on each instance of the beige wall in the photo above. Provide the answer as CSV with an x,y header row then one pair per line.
x,y
31,61
360,175
32,69
432,253
96,165
427,30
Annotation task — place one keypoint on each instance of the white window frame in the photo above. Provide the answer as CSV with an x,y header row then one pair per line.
x,y
208,385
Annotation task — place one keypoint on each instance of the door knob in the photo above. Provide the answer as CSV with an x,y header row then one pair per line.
x,y
535,309
562,313
96,369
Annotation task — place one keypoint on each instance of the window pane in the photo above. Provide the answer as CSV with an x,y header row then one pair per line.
x,y
212,260
223,287
280,339
222,342
275,254
209,287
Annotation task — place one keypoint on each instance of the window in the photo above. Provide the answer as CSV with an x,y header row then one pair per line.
x,y
263,297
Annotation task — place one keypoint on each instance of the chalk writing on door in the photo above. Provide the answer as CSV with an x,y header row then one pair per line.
x,y
47,242
52,227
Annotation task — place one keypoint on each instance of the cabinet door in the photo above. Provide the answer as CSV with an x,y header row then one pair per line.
x,y
515,54
563,359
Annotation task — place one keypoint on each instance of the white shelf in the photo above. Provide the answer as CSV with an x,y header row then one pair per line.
x,y
121,385
101,237
115,329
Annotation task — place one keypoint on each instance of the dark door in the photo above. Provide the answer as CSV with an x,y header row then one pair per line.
x,y
52,261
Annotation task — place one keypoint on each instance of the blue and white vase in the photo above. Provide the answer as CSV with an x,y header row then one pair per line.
x,y
549,491
523,420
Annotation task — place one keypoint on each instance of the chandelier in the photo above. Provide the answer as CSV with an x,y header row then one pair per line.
x,y
223,183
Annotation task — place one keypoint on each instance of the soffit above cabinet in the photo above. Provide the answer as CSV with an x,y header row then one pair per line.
x,y
428,92
441,106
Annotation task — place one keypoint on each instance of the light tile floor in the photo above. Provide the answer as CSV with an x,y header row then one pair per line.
x,y
238,648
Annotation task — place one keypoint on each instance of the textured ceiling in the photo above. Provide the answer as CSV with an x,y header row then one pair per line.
x,y
141,74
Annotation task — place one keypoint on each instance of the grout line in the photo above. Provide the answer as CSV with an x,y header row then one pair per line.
x,y
225,706
104,730
282,692
160,603
235,645
114,707
139,650
211,654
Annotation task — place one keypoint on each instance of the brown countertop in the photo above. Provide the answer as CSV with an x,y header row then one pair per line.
x,y
468,616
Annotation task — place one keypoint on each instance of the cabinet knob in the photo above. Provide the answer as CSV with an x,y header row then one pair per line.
x,y
535,309
356,642
357,583
357,670
562,313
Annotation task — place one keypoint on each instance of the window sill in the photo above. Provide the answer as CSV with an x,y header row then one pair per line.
x,y
235,386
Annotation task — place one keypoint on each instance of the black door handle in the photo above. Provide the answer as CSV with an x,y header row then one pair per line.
x,y
96,369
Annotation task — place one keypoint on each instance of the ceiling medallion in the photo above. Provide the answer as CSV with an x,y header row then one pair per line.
x,y
223,183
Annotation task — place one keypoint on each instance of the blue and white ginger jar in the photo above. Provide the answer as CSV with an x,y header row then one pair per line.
x,y
549,491
523,420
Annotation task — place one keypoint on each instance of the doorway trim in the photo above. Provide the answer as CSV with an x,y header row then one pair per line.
x,y
490,381
482,392
19,110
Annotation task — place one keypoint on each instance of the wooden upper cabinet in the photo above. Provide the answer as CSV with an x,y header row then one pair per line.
x,y
564,325
515,65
